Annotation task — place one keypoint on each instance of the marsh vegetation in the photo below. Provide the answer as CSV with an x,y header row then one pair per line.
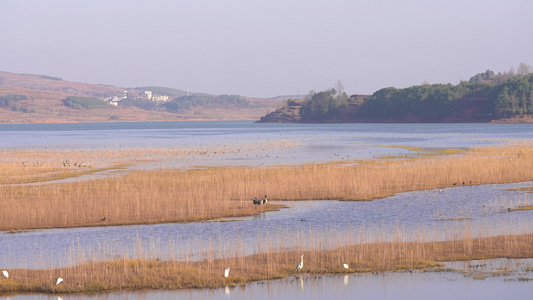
x,y
177,195
33,196
141,273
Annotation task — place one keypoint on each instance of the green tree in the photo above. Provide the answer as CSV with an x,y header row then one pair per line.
x,y
321,106
85,103
513,97
11,101
341,97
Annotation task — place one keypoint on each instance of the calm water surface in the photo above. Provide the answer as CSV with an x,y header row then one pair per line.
x,y
394,286
426,215
307,142
447,214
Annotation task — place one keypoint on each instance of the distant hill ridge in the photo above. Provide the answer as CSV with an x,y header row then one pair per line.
x,y
171,92
45,99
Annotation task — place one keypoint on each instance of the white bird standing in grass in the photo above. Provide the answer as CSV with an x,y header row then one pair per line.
x,y
6,274
59,280
300,265
346,266
226,273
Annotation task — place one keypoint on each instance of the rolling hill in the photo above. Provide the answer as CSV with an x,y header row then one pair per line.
x,y
42,99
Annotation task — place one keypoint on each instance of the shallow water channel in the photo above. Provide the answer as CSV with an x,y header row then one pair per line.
x,y
447,214
431,215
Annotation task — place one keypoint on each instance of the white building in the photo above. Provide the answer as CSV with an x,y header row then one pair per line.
x,y
160,98
148,95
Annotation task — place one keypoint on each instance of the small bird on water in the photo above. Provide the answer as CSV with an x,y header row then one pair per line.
x,y
103,219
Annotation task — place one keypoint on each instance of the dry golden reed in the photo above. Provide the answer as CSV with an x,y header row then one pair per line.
x,y
173,274
173,195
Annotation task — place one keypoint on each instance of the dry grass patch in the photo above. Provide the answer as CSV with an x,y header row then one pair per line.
x,y
155,274
525,207
171,195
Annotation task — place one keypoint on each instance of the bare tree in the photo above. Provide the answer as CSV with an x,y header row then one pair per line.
x,y
339,87
523,69
340,96
511,71
310,95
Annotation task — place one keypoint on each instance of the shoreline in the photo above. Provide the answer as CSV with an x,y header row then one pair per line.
x,y
138,274
522,119
412,174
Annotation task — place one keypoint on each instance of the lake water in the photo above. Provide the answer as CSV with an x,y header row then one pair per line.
x,y
447,214
427,215
261,144
387,286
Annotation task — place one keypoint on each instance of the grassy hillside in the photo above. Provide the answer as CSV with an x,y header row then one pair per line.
x,y
46,101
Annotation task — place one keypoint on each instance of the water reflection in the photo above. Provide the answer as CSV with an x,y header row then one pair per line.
x,y
426,215
433,215
227,291
408,285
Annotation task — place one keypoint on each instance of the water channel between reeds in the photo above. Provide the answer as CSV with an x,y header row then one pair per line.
x,y
433,215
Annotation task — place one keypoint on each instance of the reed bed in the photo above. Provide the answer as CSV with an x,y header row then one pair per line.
x,y
174,195
124,273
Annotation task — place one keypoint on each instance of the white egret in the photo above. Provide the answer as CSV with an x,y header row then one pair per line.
x,y
6,274
59,280
346,266
300,265
226,273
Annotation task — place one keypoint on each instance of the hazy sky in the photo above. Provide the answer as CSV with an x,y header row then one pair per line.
x,y
265,48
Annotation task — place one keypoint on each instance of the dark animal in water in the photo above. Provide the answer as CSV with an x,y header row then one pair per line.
x,y
265,200
257,201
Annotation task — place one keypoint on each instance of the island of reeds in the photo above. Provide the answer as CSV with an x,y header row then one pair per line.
x,y
41,189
